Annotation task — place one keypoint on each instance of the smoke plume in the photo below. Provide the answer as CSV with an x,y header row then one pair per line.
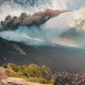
x,y
28,20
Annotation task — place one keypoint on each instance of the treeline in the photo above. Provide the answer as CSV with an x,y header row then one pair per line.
x,y
33,72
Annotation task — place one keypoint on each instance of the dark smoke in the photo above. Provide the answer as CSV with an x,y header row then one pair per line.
x,y
24,19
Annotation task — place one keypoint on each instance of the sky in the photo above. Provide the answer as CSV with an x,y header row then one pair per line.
x,y
67,29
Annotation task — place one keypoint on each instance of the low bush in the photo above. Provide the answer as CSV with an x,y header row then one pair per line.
x,y
7,72
5,66
39,80
14,74
51,81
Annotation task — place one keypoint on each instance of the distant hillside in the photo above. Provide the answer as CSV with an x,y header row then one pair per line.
x,y
8,47
58,58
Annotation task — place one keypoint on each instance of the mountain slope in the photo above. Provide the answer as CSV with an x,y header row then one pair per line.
x,y
10,48
58,58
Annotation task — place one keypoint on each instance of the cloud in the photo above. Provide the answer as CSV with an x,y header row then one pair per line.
x,y
59,4
68,4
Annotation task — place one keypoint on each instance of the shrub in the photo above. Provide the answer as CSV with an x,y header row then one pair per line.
x,y
37,72
43,81
7,72
45,71
11,65
51,81
20,73
39,80
26,74
16,68
5,66
14,74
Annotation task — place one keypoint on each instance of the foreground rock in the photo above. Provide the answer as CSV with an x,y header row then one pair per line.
x,y
65,78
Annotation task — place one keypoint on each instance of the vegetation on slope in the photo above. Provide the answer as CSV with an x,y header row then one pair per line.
x,y
33,72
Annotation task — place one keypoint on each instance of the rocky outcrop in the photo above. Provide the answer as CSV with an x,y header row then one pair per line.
x,y
65,78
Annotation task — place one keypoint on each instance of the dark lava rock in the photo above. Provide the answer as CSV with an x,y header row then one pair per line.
x,y
65,78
